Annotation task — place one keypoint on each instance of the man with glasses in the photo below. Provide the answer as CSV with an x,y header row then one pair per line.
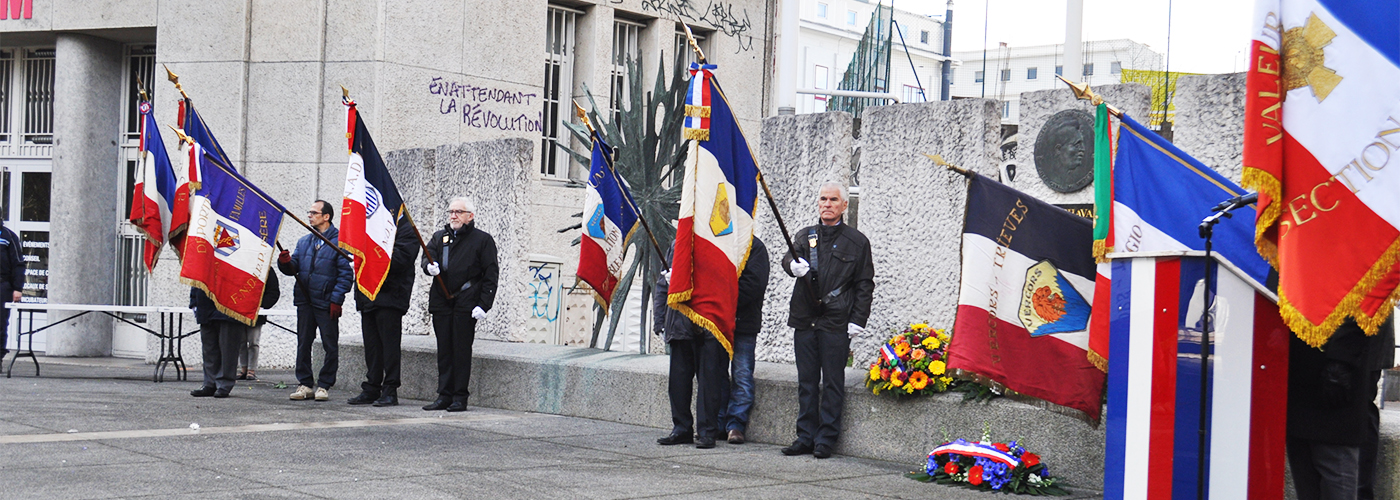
x,y
323,277
464,260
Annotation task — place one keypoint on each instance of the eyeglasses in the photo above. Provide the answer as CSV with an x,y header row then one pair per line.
x,y
457,212
313,213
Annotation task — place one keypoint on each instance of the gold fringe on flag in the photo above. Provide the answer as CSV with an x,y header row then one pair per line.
x,y
694,111
696,134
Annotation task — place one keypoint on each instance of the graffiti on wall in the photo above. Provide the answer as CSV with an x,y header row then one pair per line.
x,y
543,299
487,107
719,14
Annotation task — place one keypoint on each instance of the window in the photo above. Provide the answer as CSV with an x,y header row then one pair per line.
x,y
851,17
1115,67
1060,70
683,48
821,10
558,86
821,75
977,77
141,62
38,96
1006,109
7,64
625,51
912,94
1006,75
1031,73
1089,69
923,37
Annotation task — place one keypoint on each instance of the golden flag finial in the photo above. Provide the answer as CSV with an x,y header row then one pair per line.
x,y
938,160
583,116
690,37
175,79
181,134
1083,92
141,87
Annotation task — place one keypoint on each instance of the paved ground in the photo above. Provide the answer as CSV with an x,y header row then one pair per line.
x,y
102,429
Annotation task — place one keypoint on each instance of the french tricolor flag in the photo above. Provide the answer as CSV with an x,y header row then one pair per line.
x,y
371,207
1156,313
154,198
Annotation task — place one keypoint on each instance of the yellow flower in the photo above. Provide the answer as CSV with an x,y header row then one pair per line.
x,y
874,372
902,349
937,367
909,388
932,342
896,382
946,380
919,327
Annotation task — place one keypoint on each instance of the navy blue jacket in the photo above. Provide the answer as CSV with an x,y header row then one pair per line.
x,y
11,265
323,276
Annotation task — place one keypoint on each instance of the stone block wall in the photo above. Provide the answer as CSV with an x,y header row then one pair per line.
x,y
1209,121
1037,108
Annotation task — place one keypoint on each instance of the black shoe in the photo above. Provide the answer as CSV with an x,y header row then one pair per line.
x,y
822,451
439,404
705,443
203,392
390,397
797,448
457,406
363,398
677,438
221,393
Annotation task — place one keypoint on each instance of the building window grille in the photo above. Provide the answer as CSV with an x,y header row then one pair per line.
x,y
141,61
912,94
683,48
7,66
977,77
1006,75
558,86
38,96
821,10
625,50
923,37
1031,73
1089,69
1115,67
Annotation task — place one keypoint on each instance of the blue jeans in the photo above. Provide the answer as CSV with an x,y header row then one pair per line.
x,y
736,417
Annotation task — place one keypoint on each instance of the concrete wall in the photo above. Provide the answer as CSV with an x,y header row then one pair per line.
x,y
1209,123
1037,108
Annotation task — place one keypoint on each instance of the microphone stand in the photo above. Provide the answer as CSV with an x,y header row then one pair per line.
x,y
1207,230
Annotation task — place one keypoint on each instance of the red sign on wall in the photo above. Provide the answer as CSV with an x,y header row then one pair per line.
x,y
13,9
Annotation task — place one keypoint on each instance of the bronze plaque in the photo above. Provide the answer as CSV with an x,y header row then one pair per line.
x,y
1064,151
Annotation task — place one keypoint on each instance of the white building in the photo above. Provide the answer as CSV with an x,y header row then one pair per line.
x,y
1013,70
832,29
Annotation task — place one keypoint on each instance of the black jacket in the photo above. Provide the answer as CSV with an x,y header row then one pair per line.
x,y
844,265
206,311
11,265
398,284
323,275
471,258
1330,390
753,284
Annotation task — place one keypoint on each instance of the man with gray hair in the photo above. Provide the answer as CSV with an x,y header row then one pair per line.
x,y
830,306
465,259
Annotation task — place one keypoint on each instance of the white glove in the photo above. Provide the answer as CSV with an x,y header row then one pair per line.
x,y
478,314
799,267
666,275
434,269
854,330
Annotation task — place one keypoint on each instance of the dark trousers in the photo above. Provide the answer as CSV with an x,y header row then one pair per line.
x,y
821,384
736,416
455,333
383,331
1323,471
703,360
309,320
220,340
5,331
1370,447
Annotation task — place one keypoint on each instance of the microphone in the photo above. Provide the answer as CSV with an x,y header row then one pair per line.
x,y
1236,202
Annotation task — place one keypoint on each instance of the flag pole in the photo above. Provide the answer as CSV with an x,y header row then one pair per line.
x,y
608,163
938,160
1083,92
186,139
762,180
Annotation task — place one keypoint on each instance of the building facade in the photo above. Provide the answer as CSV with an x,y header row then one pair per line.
x,y
266,76
1009,71
831,31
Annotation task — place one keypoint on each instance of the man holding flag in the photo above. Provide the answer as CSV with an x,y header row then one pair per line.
x,y
323,277
831,302
375,227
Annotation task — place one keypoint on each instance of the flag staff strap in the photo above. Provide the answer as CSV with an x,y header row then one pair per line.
x,y
1083,92
762,180
938,160
186,139
608,163
426,254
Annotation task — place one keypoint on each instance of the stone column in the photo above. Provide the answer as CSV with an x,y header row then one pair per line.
x,y
86,180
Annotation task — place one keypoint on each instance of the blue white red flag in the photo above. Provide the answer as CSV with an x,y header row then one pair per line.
x,y
192,124
371,208
230,244
609,222
1321,127
1024,303
1156,290
891,358
156,196
715,228
1154,383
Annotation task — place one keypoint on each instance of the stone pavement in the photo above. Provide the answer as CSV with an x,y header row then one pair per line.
x,y
99,428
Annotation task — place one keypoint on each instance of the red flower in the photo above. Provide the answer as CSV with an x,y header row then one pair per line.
x,y
951,468
974,475
1030,459
1001,447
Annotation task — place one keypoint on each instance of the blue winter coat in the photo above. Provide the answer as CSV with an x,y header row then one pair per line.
x,y
323,276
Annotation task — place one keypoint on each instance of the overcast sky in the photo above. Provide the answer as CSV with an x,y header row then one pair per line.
x,y
1208,36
